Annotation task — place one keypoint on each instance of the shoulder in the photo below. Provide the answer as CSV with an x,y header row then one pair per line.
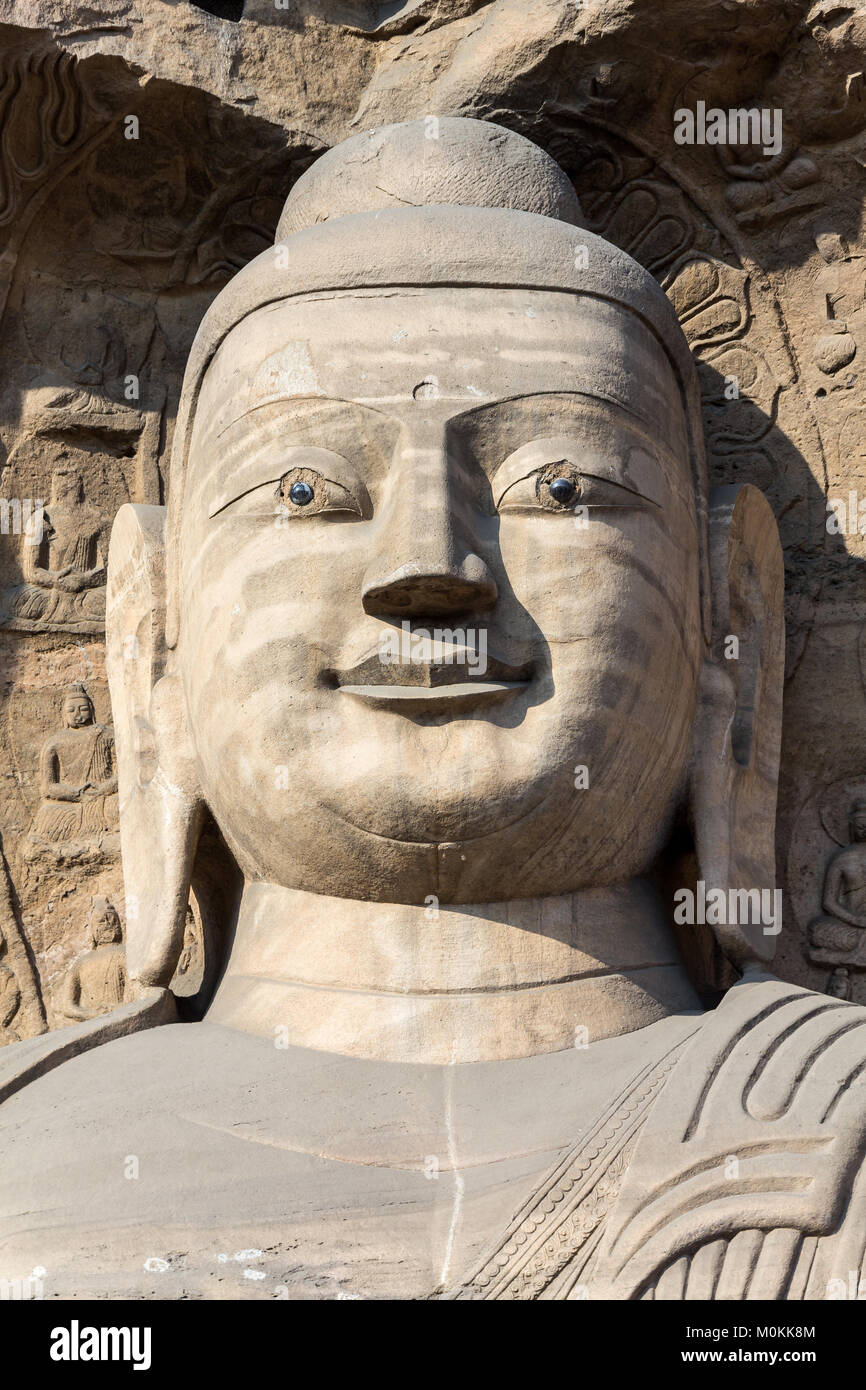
x,y
776,1050
756,1137
23,1062
848,854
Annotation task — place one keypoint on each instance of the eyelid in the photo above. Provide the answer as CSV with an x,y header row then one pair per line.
x,y
639,499
323,461
533,458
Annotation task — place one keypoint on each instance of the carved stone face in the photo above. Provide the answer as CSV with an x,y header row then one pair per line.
x,y
104,924
366,461
77,711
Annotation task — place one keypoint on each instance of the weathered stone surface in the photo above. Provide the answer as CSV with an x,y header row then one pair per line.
x,y
146,154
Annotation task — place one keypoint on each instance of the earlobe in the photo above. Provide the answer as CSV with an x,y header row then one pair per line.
x,y
735,765
161,809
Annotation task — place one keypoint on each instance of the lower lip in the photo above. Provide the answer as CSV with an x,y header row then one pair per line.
x,y
410,697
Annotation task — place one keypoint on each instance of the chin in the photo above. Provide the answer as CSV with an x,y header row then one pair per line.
x,y
417,807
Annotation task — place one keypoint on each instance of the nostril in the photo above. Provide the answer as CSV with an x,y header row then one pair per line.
x,y
428,595
396,598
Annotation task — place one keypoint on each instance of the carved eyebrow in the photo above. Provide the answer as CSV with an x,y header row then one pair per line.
x,y
638,421
647,430
600,397
294,400
652,437
221,506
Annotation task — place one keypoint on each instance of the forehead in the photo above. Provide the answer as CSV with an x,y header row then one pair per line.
x,y
449,349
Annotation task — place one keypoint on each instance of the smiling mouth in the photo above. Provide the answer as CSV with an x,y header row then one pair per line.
x,y
416,685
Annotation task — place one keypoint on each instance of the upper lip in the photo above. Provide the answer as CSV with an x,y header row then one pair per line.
x,y
372,671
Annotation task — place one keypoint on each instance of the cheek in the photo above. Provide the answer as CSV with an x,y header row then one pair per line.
x,y
266,609
618,613
637,579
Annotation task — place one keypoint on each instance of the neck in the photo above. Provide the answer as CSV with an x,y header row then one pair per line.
x,y
394,982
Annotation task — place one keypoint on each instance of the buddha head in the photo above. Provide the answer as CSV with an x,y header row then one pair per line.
x,y
105,928
442,420
77,707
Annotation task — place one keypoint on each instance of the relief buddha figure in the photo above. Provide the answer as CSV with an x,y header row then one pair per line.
x,y
450,1042
77,779
96,980
837,937
62,562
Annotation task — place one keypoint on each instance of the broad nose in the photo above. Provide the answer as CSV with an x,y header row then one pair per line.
x,y
426,590
425,564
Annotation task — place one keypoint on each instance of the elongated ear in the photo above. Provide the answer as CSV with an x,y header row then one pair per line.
x,y
735,768
161,811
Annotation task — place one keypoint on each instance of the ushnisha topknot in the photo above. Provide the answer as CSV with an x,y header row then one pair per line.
x,y
77,690
449,160
399,206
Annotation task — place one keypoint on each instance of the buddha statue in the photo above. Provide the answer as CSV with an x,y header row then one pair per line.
x,y
450,1040
96,982
837,936
78,782
63,566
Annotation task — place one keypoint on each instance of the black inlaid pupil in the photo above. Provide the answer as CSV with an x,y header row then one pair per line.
x,y
562,489
301,494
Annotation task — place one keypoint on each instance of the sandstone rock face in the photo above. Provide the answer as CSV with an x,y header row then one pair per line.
x,y
146,155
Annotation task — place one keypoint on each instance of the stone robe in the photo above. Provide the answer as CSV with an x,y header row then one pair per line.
x,y
728,1165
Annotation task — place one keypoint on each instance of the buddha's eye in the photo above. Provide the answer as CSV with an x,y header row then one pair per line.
x,y
559,486
301,494
305,492
562,490
289,487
